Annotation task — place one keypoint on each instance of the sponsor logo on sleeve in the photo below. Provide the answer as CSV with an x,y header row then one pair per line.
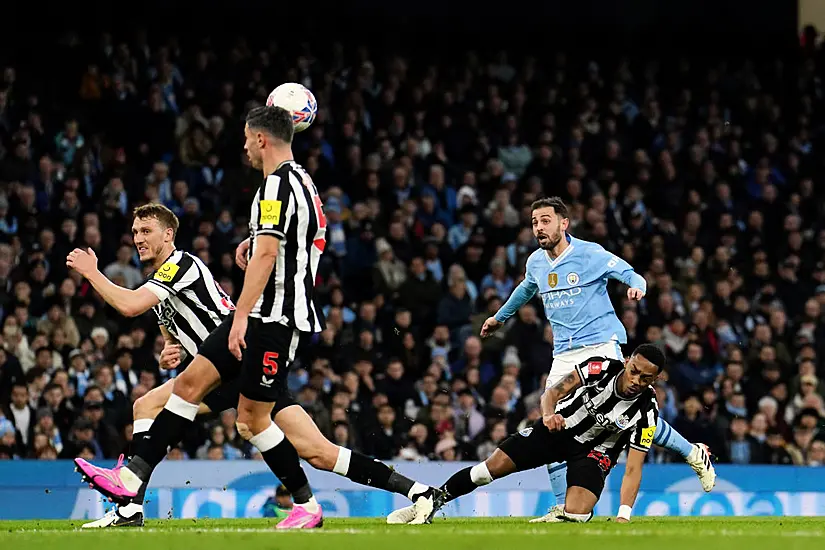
x,y
166,272
647,437
270,212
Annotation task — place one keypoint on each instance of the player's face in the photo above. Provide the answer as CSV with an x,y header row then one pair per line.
x,y
252,146
149,237
639,374
548,227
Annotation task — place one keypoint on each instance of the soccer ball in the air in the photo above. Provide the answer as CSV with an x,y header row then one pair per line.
x,y
298,100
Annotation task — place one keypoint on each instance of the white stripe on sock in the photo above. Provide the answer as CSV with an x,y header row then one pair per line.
x,y
267,439
342,463
178,406
142,425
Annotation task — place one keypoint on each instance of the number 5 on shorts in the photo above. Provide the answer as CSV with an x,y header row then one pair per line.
x,y
270,365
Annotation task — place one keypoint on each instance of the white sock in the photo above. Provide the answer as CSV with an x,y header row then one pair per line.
x,y
267,439
310,506
417,489
130,509
141,425
342,462
130,480
182,408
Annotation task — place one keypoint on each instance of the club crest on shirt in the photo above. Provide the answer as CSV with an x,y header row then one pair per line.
x,y
553,280
622,421
572,279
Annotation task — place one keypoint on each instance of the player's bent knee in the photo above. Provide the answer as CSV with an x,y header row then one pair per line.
x,y
149,405
500,464
194,383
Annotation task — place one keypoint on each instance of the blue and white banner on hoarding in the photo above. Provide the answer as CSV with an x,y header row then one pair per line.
x,y
235,489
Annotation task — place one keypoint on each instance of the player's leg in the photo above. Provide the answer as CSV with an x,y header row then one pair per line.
x,y
144,411
280,345
697,456
321,453
585,477
563,364
263,384
525,450
122,483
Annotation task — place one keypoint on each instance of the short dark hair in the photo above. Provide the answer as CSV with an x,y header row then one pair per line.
x,y
273,120
555,203
164,216
652,353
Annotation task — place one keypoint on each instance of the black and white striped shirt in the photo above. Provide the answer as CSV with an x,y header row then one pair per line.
x,y
192,304
598,417
288,207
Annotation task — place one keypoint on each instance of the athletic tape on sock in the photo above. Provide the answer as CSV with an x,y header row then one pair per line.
x,y
480,474
342,463
267,439
178,406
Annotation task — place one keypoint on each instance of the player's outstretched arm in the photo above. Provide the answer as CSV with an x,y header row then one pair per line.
x,y
630,483
617,268
522,294
129,303
553,395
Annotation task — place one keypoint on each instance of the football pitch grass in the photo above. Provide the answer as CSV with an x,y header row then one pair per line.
x,y
751,533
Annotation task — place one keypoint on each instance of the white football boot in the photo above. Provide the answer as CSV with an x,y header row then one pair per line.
x,y
699,460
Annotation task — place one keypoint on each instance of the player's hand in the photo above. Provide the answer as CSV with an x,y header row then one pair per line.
x,y
170,357
622,520
635,294
82,261
490,326
240,254
554,422
236,336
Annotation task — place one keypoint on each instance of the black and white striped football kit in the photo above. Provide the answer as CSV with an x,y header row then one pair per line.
x,y
599,425
287,207
192,305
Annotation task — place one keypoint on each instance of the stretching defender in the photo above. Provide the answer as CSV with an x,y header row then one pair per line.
x,y
588,418
259,340
571,277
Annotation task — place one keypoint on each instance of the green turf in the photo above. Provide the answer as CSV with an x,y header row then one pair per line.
x,y
469,534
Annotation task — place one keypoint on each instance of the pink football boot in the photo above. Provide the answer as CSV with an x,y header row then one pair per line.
x,y
105,481
299,518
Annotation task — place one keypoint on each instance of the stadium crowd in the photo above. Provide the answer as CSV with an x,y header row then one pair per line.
x,y
700,174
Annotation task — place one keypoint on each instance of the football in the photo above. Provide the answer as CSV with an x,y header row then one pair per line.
x,y
298,100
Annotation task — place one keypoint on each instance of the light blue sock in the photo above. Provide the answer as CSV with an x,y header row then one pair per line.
x,y
670,439
558,480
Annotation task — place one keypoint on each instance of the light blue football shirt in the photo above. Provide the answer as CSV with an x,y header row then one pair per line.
x,y
573,289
